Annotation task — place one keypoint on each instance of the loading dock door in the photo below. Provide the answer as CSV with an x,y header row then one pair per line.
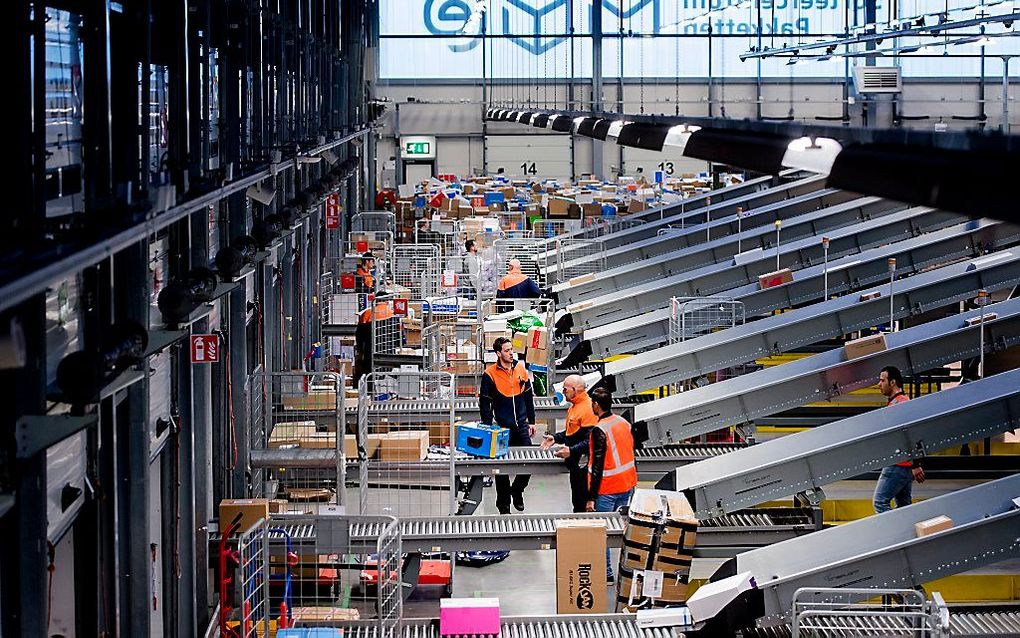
x,y
538,156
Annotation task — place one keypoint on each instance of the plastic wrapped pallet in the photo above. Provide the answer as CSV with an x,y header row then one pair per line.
x,y
658,545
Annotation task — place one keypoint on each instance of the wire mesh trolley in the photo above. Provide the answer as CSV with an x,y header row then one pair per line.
x,y
296,447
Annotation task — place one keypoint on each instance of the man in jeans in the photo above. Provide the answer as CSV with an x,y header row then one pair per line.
x,y
611,472
896,481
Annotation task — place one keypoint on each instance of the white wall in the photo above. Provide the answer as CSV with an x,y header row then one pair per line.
x,y
454,111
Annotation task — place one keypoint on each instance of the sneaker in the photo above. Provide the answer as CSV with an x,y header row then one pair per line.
x,y
503,510
518,502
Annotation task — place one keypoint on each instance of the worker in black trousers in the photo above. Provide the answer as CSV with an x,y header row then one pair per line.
x,y
506,397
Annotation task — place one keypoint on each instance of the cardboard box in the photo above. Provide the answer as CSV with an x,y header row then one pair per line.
x,y
318,441
289,433
311,401
409,445
538,337
321,614
776,278
580,567
662,515
278,506
252,510
469,616
520,343
351,445
486,441
537,356
864,346
932,526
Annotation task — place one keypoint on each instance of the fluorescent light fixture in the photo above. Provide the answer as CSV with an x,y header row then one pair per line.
x,y
615,128
577,122
261,195
815,154
601,129
587,126
540,120
678,136
561,123
525,118
646,136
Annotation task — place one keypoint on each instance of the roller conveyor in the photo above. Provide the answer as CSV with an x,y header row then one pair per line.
x,y
849,273
465,409
559,626
997,622
758,219
810,324
721,537
678,213
652,462
678,252
806,461
883,551
688,206
825,376
715,278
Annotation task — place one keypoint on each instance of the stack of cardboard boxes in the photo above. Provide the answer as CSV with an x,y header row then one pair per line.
x,y
658,546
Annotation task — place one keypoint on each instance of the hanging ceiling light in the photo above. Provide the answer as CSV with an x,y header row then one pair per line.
x,y
561,123
576,123
601,129
647,136
541,119
526,118
615,128
587,126
761,152
815,154
678,136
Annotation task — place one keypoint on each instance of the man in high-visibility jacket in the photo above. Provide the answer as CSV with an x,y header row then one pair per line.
x,y
516,285
381,311
364,281
580,419
506,398
612,475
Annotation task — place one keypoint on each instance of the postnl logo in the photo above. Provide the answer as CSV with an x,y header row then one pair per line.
x,y
634,8
535,45
448,17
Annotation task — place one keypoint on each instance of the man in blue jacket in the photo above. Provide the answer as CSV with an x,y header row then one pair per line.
x,y
506,398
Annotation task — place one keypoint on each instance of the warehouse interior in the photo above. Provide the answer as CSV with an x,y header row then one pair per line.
x,y
401,318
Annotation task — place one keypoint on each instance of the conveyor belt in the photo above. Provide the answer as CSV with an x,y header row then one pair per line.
x,y
674,253
672,215
723,537
825,376
846,274
830,319
884,552
652,462
467,409
716,278
561,626
808,460
676,210
1002,623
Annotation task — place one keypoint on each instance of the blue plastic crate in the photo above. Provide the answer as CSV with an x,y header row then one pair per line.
x,y
486,441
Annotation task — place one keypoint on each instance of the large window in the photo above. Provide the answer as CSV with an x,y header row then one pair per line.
x,y
660,38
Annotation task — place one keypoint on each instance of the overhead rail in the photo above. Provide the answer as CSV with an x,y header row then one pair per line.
x,y
651,329
804,462
679,215
882,552
753,241
804,326
828,375
716,278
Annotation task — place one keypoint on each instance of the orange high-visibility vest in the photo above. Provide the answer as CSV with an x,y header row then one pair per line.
x,y
619,473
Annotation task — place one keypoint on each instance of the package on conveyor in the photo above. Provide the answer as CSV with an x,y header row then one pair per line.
x,y
658,545
479,439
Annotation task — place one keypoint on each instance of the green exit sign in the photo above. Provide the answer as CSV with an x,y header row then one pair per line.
x,y
418,148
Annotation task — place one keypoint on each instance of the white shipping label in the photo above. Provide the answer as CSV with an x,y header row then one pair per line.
x,y
653,584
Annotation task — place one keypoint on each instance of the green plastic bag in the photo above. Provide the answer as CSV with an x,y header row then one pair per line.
x,y
540,383
525,322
